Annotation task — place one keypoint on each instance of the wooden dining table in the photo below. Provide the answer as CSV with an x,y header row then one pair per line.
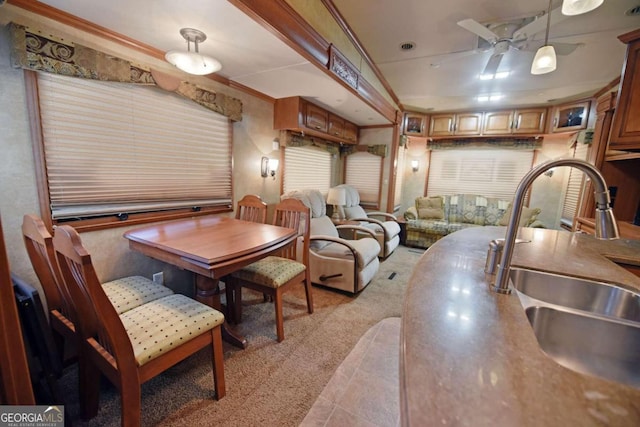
x,y
211,247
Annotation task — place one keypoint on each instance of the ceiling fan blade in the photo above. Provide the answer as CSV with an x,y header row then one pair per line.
x,y
539,24
479,29
560,48
492,66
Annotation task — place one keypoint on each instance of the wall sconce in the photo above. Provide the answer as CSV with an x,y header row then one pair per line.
x,y
269,167
415,165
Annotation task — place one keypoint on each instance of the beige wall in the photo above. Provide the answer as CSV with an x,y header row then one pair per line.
x,y
252,138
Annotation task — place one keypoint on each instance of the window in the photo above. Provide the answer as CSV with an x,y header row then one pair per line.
x,y
363,171
307,168
488,172
574,187
114,149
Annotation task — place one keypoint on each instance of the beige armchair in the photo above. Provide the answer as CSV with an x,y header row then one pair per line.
x,y
334,262
384,225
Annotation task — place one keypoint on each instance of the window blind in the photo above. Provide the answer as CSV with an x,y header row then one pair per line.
x,y
400,170
574,187
363,172
488,172
307,168
121,148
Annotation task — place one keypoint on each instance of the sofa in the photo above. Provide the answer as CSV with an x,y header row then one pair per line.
x,y
434,217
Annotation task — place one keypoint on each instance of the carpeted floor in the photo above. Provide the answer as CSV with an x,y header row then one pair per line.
x,y
269,383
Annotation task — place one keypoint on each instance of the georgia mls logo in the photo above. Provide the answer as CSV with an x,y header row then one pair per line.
x,y
31,416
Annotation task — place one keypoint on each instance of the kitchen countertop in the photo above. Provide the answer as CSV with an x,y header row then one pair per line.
x,y
470,357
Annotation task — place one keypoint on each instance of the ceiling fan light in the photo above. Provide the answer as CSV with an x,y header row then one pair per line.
x,y
193,63
544,61
577,7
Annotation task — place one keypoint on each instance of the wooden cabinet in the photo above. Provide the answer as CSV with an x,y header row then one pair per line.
x,y
507,122
296,114
414,124
462,124
625,131
570,117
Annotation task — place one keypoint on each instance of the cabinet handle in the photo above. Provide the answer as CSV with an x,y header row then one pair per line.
x,y
519,122
511,125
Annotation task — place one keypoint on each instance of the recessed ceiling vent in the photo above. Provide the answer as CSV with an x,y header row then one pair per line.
x,y
634,11
407,46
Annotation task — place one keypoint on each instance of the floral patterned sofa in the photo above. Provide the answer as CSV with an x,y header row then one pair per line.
x,y
434,217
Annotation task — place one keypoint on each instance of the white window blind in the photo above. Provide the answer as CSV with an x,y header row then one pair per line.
x,y
363,172
397,192
489,172
574,187
121,148
307,168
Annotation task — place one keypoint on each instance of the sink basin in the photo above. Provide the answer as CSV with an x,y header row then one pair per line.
x,y
588,344
587,326
580,294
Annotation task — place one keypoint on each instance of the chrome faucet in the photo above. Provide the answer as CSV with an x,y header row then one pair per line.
x,y
606,226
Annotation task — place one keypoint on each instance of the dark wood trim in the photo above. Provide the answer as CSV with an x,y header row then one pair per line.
x,y
37,145
286,24
608,88
333,10
426,177
393,170
376,126
630,36
235,85
14,370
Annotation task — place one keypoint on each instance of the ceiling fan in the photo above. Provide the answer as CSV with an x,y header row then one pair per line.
x,y
516,35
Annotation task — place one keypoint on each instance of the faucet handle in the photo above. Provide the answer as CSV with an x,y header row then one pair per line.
x,y
494,253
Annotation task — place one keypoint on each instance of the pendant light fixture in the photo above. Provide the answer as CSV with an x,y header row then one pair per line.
x,y
193,62
545,60
577,7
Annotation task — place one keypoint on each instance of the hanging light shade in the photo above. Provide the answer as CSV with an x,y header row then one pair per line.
x,y
577,7
544,61
193,62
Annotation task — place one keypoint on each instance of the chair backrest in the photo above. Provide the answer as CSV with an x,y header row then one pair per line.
x,y
292,213
97,318
39,244
252,208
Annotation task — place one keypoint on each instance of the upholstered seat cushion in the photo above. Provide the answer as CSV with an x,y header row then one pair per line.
x,y
160,326
366,250
131,292
271,271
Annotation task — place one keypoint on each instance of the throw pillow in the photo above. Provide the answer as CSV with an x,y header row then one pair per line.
x,y
430,207
527,217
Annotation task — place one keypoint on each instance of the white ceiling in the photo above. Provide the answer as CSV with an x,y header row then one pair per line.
x,y
252,56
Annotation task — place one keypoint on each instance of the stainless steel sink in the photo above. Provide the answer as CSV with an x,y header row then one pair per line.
x,y
589,345
588,326
581,294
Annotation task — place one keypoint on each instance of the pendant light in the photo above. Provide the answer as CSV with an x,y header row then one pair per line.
x,y
577,7
193,62
545,60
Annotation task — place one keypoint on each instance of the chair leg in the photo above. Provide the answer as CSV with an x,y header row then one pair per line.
x,y
219,387
279,318
308,291
88,387
130,401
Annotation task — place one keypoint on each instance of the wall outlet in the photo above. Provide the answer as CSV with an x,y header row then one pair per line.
x,y
158,278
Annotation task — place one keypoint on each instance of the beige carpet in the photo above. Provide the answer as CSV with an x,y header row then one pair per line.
x,y
269,383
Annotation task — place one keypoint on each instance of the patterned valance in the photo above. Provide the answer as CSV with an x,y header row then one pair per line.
x,y
298,140
43,53
504,143
377,150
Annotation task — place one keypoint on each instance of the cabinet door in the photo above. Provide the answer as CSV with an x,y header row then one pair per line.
x,y
570,117
441,125
316,118
625,131
336,126
350,132
529,121
497,123
415,124
468,124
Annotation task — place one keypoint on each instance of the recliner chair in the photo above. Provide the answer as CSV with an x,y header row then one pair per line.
x,y
387,229
334,262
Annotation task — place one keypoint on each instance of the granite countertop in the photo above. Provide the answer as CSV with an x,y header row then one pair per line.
x,y
470,357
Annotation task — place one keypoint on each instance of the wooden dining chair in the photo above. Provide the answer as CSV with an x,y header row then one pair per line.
x,y
274,275
135,346
124,293
252,208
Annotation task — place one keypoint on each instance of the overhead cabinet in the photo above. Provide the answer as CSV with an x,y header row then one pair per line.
x,y
297,114
625,132
508,122
463,124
